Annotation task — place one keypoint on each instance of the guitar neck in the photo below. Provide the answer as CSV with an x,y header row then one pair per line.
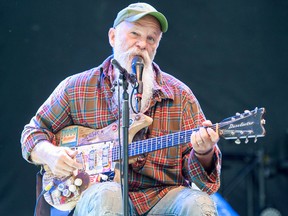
x,y
153,144
242,126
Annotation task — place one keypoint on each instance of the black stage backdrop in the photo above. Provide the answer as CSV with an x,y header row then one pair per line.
x,y
232,54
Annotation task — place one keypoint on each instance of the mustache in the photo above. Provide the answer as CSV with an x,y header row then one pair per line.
x,y
129,54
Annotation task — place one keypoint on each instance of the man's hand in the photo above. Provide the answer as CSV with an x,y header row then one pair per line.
x,y
203,142
60,160
204,139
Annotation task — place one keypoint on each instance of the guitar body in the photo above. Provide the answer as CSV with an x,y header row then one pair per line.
x,y
94,152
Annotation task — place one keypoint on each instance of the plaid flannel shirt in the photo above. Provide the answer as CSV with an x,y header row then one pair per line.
x,y
86,99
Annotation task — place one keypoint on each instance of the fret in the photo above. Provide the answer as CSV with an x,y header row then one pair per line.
x,y
153,143
138,144
132,150
170,140
149,144
182,137
163,140
158,142
144,146
187,135
114,154
176,139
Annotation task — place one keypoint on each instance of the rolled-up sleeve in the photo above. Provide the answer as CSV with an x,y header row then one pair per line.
x,y
209,182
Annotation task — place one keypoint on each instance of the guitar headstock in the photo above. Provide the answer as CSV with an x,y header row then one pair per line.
x,y
243,126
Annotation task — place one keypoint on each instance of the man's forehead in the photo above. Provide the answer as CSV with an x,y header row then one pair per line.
x,y
145,22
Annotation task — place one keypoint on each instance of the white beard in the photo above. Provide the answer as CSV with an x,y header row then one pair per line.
x,y
148,84
125,60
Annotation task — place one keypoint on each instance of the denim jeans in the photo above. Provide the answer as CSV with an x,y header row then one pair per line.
x,y
106,199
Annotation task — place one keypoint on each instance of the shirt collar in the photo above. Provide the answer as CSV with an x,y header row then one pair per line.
x,y
162,90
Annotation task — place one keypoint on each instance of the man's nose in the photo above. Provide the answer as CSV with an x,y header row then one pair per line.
x,y
141,44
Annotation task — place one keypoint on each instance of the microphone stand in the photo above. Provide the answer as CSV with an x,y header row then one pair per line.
x,y
124,77
125,131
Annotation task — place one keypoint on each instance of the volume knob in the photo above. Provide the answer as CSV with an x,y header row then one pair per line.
x,y
78,182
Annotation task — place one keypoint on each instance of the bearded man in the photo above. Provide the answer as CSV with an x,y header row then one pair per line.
x,y
159,181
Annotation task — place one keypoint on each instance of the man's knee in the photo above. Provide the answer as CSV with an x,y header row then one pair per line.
x,y
200,203
100,199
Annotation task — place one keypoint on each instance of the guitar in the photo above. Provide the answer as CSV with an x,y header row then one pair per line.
x,y
98,149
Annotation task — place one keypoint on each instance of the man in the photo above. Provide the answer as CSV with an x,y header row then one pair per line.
x,y
159,181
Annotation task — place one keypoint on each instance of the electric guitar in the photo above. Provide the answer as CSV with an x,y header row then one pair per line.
x,y
99,149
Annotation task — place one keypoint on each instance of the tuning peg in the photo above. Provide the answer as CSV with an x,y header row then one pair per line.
x,y
239,115
237,141
246,140
255,140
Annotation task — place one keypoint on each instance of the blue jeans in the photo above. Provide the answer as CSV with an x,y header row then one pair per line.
x,y
106,199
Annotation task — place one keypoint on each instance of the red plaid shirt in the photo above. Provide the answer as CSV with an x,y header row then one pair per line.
x,y
86,99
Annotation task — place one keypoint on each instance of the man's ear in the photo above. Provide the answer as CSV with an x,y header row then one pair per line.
x,y
111,35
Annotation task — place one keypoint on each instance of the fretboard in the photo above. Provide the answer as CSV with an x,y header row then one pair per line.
x,y
153,144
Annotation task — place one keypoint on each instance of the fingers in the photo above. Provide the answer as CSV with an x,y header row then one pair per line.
x,y
71,152
193,139
62,166
210,133
213,135
205,138
71,161
62,172
201,136
207,123
64,162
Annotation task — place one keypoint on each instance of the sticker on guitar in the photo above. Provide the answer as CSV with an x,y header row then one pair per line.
x,y
98,150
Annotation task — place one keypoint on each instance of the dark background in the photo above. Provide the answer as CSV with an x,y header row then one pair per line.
x,y
232,54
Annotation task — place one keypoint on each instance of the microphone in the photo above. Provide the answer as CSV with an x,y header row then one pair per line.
x,y
130,77
137,68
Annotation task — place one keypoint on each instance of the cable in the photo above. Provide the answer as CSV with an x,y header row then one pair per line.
x,y
131,97
47,188
37,202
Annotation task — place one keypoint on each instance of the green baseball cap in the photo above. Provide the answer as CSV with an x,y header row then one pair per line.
x,y
136,11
